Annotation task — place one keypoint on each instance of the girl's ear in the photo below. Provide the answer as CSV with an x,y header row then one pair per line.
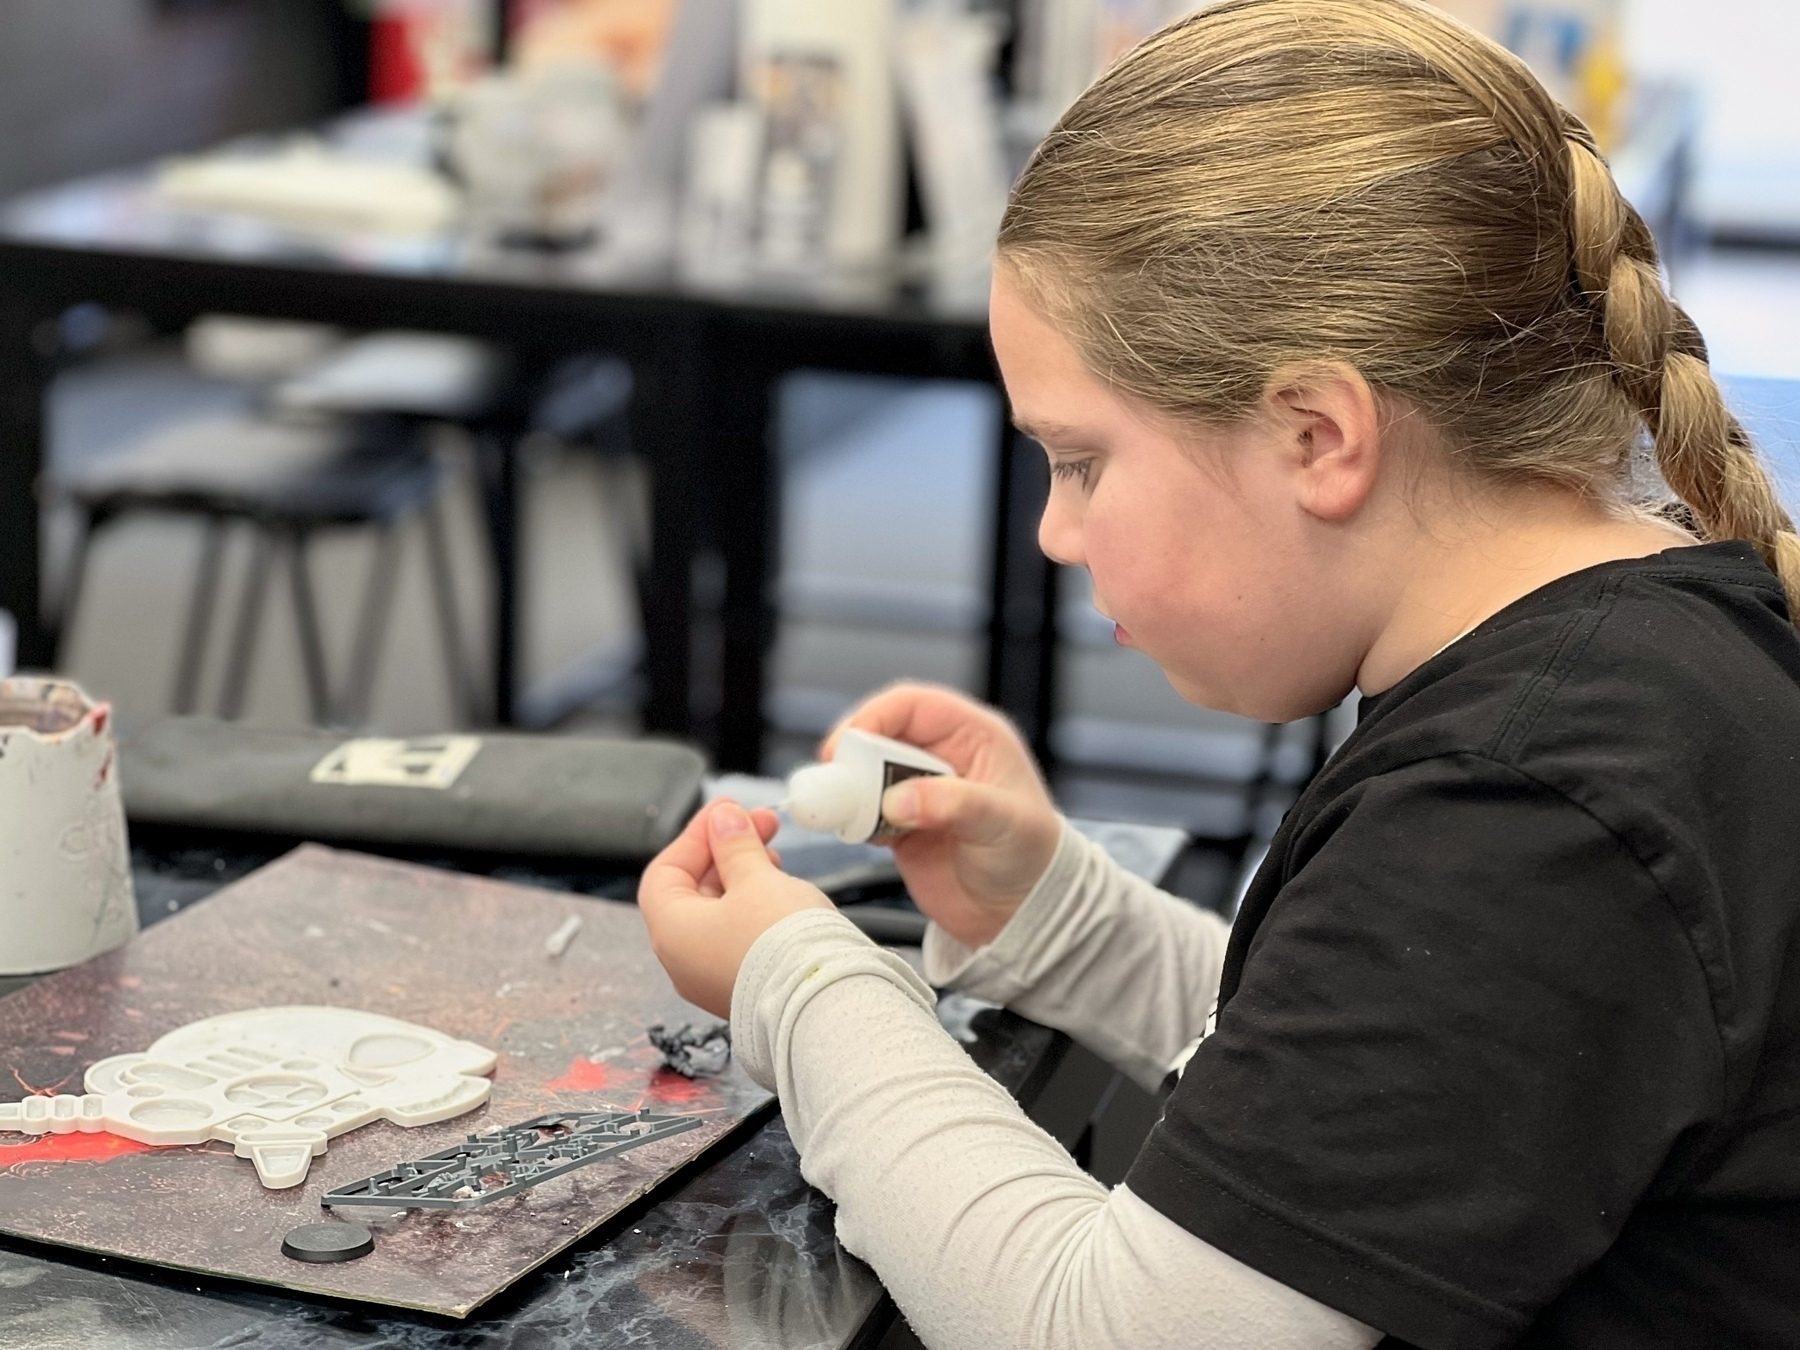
x,y
1329,423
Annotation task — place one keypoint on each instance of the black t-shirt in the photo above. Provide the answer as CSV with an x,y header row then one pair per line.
x,y
1508,1045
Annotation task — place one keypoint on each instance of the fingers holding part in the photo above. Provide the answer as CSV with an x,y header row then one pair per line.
x,y
973,812
739,846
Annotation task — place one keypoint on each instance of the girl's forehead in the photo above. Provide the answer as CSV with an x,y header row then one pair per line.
x,y
1053,392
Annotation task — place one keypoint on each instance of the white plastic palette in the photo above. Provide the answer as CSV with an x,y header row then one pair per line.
x,y
276,1083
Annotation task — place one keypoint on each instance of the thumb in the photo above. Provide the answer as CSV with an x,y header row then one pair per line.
x,y
975,813
737,849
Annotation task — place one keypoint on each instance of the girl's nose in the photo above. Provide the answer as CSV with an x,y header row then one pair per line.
x,y
1059,534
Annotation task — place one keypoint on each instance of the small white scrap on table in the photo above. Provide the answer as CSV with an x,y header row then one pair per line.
x,y
558,942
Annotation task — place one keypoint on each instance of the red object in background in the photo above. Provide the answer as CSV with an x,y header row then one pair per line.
x,y
521,14
396,74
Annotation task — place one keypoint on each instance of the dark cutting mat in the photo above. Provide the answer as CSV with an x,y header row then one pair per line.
x,y
464,955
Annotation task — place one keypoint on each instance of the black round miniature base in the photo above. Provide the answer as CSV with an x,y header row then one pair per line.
x,y
322,1243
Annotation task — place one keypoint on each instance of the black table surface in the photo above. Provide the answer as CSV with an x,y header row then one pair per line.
x,y
738,1252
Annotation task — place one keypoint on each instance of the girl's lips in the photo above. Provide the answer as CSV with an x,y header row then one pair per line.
x,y
1120,636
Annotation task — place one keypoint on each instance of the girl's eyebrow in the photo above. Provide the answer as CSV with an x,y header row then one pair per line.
x,y
1046,432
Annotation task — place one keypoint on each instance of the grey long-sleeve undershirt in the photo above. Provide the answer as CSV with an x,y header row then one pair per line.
x,y
979,1223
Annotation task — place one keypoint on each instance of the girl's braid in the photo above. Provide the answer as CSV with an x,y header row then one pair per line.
x,y
1660,363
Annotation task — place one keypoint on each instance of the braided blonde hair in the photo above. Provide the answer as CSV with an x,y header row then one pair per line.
x,y
1277,184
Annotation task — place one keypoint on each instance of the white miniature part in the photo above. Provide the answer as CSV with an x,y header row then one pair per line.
x,y
374,761
844,796
65,870
276,1083
558,942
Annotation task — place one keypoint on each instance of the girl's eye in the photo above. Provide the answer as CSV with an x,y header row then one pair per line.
x,y
1078,469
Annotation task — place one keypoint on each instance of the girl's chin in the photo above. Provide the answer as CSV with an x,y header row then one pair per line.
x,y
1195,686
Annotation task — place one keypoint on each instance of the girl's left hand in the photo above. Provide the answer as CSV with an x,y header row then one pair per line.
x,y
708,896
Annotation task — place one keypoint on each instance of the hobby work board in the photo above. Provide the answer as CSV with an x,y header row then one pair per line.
x,y
462,955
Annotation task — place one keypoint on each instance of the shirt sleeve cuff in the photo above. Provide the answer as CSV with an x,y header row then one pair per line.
x,y
993,972
788,966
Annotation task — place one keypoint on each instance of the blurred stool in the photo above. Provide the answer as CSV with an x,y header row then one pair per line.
x,y
430,376
421,378
285,480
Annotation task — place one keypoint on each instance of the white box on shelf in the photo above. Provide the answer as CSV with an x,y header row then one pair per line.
x,y
856,36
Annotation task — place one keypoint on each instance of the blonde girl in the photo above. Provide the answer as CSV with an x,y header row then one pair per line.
x,y
1354,371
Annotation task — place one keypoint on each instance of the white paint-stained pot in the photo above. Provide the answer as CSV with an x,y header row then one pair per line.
x,y
65,870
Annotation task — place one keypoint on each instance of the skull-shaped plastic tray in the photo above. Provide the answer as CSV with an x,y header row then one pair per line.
x,y
276,1083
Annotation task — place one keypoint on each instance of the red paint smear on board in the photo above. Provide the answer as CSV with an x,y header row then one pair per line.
x,y
77,1147
583,1076
668,1086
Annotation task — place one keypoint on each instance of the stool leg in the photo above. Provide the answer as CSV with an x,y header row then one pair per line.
x,y
70,599
633,492
378,603
312,642
443,591
249,621
622,498
201,602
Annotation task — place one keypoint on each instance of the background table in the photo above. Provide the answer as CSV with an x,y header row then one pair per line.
x,y
705,364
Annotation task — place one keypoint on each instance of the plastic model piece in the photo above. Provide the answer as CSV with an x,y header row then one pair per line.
x,y
845,795
276,1083
324,1244
499,1163
690,1050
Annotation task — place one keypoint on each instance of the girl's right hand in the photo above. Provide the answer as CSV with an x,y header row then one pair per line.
x,y
977,843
